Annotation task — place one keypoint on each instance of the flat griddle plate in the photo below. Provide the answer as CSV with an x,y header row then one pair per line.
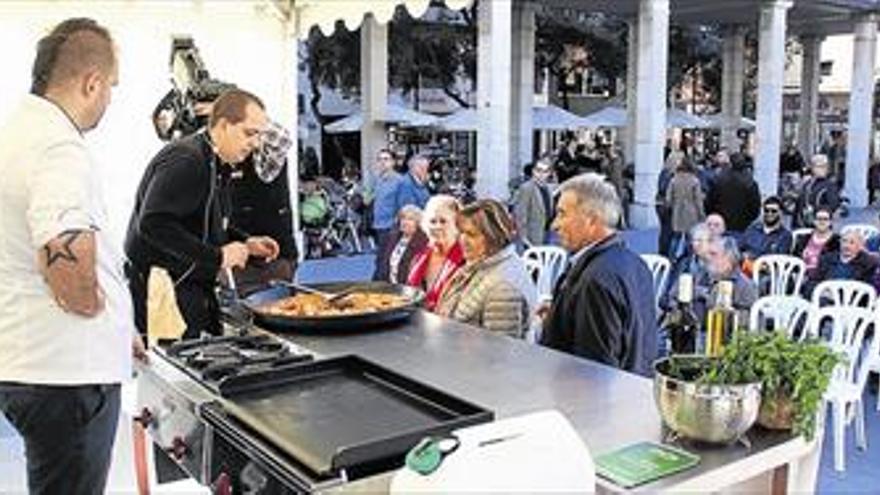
x,y
344,412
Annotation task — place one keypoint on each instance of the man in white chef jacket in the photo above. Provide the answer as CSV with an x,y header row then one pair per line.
x,y
66,333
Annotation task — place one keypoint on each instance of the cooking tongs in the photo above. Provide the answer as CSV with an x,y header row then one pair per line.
x,y
331,299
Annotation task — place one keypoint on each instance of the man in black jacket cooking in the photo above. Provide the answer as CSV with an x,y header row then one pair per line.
x,y
180,220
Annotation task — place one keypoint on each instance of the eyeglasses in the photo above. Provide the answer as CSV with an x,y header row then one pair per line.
x,y
823,219
771,210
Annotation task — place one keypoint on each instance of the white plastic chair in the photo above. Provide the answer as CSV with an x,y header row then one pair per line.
x,y
868,231
545,264
659,267
796,234
785,273
844,293
849,335
789,313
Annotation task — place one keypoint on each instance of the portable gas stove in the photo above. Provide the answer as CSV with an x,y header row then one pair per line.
x,y
252,413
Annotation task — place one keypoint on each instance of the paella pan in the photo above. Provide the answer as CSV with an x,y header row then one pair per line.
x,y
368,304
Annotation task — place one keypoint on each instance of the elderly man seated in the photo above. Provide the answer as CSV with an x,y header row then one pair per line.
x,y
694,263
852,262
724,263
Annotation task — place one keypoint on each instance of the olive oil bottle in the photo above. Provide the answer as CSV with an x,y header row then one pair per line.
x,y
721,319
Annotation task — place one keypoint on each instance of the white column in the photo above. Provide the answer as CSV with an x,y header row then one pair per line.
x,y
650,124
861,105
771,67
632,62
732,76
522,84
374,91
810,79
494,83
289,113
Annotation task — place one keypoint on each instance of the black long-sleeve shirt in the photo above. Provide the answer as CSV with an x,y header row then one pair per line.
x,y
179,211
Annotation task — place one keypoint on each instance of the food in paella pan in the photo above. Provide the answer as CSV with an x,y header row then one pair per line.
x,y
314,305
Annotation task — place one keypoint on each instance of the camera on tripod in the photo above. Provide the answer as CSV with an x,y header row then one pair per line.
x,y
180,112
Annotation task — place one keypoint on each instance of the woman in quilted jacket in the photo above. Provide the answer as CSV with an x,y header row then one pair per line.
x,y
492,290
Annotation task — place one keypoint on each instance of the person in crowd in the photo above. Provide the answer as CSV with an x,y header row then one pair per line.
x,y
716,224
791,161
413,188
603,305
834,150
818,191
694,262
852,262
66,332
724,262
767,236
735,196
533,205
685,199
386,193
492,290
587,159
180,217
434,266
719,162
393,264
873,182
662,207
820,242
613,164
565,164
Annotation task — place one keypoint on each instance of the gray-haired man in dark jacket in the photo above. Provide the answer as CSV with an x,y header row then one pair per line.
x,y
603,306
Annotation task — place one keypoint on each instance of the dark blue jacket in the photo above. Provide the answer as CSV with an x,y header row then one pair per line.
x,y
603,309
411,192
755,242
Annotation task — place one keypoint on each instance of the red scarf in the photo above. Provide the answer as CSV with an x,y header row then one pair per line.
x,y
454,260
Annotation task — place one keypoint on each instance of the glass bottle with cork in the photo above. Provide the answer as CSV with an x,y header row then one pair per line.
x,y
721,319
682,325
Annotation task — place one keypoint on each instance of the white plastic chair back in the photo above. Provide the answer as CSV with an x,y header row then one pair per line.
x,y
847,330
867,231
785,274
789,313
850,337
796,234
844,293
659,267
545,264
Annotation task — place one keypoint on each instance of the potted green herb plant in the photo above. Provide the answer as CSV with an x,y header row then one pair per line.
x,y
794,375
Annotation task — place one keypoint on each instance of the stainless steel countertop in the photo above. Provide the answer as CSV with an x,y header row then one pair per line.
x,y
608,407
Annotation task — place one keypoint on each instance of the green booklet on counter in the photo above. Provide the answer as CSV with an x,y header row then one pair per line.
x,y
640,463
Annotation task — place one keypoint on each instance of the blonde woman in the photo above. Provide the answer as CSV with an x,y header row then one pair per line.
x,y
435,265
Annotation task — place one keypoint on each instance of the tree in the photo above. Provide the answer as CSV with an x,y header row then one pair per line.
x,y
695,61
435,53
333,61
569,41
420,53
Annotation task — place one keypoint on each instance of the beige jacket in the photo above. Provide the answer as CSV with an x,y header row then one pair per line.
x,y
496,294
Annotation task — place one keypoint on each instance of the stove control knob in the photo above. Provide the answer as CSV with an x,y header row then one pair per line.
x,y
178,449
145,418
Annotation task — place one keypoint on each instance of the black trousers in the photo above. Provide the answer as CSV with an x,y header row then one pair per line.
x,y
138,281
68,434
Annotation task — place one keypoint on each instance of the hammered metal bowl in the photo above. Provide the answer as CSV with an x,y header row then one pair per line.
x,y
718,414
